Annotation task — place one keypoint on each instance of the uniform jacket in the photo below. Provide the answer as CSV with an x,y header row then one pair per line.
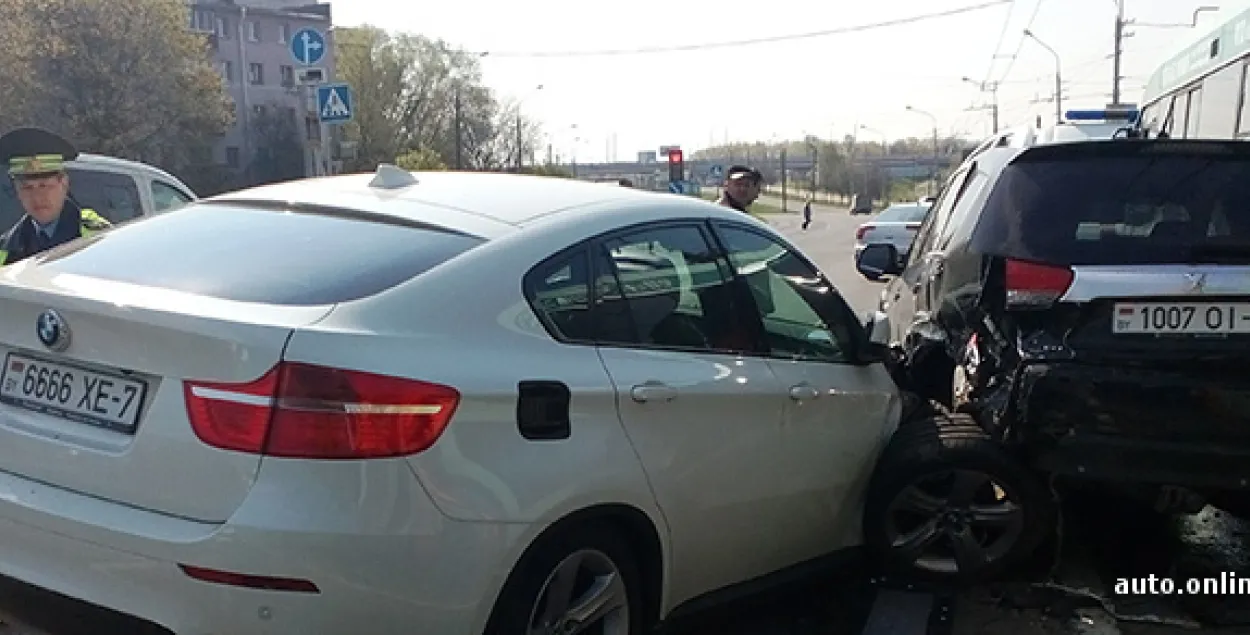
x,y
19,242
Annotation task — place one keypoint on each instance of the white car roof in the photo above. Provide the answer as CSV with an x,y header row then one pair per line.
x,y
483,203
115,164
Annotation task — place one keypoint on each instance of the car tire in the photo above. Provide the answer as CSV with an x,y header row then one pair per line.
x,y
993,515
596,556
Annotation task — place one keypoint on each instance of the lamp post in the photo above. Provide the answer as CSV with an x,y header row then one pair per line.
x,y
520,141
992,89
1058,75
933,166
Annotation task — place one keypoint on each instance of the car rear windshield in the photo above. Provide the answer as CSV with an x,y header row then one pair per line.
x,y
903,214
260,255
1143,208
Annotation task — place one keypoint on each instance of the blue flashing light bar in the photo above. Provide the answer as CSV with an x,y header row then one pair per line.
x,y
1107,114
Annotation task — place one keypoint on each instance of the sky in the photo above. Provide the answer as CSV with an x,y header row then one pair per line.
x,y
597,107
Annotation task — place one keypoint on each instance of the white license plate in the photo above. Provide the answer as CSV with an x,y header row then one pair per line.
x,y
1182,318
74,393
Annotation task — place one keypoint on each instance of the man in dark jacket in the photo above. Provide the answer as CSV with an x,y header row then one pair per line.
x,y
36,162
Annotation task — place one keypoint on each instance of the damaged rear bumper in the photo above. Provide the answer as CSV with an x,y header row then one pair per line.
x,y
1183,425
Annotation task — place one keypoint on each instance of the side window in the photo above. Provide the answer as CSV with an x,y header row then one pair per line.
x,y
665,287
166,197
962,218
1193,117
935,222
559,292
112,195
803,316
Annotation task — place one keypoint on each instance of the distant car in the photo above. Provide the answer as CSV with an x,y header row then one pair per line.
x,y
438,403
896,225
928,200
117,189
861,204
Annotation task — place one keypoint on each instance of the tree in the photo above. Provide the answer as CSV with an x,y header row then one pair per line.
x,y
279,150
416,94
421,159
123,77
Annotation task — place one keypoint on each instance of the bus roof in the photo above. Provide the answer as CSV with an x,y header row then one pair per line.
x,y
1228,42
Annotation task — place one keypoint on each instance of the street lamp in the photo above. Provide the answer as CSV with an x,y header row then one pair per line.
x,y
1058,75
933,166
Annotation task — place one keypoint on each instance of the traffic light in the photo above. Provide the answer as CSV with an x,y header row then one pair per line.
x,y
676,165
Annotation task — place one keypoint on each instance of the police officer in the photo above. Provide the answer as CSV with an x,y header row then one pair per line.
x,y
36,162
742,187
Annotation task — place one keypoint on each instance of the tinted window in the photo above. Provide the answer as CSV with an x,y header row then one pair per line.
x,y
252,255
791,297
166,197
559,292
1131,209
113,196
903,214
669,290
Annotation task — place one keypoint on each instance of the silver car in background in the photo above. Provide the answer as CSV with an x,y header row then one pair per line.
x,y
895,225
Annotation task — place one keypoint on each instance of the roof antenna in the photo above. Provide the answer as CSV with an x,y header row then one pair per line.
x,y
390,177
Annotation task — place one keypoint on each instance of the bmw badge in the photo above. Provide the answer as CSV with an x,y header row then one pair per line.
x,y
52,330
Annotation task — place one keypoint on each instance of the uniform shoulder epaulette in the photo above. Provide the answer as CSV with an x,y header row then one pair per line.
x,y
92,220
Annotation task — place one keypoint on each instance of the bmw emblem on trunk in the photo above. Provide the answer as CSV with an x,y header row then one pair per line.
x,y
52,330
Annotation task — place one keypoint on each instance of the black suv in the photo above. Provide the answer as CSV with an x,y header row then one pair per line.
x,y
1088,304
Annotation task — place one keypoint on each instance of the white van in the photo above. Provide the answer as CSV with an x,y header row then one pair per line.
x,y
117,189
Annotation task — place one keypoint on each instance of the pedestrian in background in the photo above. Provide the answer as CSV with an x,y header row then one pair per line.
x,y
807,213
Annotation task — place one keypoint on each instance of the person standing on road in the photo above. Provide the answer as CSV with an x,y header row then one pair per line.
x,y
807,213
36,162
742,187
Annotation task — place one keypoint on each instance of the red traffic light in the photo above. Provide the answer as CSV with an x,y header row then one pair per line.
x,y
674,156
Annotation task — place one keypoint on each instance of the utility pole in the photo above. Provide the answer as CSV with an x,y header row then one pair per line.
x,y
783,180
520,144
1119,50
459,145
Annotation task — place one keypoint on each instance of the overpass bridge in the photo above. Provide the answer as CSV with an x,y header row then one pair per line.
x,y
902,166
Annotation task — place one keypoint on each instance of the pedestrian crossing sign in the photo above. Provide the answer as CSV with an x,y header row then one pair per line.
x,y
334,103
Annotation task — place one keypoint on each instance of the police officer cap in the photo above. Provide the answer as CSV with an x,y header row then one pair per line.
x,y
31,152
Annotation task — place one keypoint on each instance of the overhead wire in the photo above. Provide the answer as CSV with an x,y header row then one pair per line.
x,y
998,47
1020,47
678,48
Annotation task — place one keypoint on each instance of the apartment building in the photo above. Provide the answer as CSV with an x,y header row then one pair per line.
x,y
250,43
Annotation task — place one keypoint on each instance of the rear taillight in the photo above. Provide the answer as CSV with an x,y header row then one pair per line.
x,y
863,229
1034,286
314,412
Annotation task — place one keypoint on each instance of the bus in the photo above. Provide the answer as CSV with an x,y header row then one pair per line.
x,y
1201,93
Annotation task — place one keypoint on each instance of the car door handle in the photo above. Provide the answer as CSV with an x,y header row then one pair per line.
x,y
803,392
652,391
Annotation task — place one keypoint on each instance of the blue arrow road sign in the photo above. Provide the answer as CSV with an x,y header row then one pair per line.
x,y
674,187
308,46
334,103
717,171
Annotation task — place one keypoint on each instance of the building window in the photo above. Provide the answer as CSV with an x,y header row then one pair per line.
x,y
202,21
222,28
288,75
284,33
227,71
232,157
253,32
258,111
256,74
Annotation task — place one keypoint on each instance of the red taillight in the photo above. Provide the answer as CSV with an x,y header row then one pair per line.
x,y
1030,285
863,229
314,412
267,583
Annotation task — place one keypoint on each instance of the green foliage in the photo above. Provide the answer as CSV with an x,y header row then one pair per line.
x,y
421,159
119,77
409,90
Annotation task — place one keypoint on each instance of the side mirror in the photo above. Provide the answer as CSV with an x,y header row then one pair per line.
x,y
878,259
